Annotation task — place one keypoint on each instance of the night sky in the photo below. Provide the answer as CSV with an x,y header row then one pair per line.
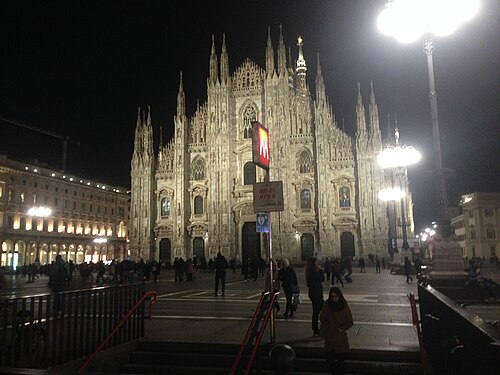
x,y
81,69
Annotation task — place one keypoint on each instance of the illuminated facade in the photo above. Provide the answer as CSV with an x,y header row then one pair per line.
x,y
477,228
80,211
194,197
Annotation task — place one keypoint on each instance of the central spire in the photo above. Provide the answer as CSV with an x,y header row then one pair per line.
x,y
301,65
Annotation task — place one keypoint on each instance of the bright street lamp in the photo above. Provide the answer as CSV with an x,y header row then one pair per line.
x,y
397,158
408,21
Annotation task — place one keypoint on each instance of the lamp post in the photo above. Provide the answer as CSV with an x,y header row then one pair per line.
x,y
396,159
38,212
408,21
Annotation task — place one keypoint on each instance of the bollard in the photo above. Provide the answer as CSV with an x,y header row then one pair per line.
x,y
282,358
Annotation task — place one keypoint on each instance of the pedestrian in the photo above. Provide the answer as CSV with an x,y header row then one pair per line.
x,y
58,277
383,263
275,280
314,278
220,265
189,270
361,263
328,269
336,319
377,264
337,272
156,271
290,284
407,266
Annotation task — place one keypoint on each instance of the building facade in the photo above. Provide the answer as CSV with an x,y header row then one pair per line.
x,y
477,226
88,221
194,197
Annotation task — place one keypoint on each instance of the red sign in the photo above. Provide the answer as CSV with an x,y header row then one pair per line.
x,y
260,145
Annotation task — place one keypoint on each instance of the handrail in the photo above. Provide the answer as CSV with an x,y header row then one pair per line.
x,y
416,322
261,333
124,319
249,331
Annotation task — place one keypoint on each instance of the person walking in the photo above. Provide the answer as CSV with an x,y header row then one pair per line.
x,y
290,284
336,319
361,264
407,266
275,280
377,264
314,278
57,280
337,272
328,268
220,273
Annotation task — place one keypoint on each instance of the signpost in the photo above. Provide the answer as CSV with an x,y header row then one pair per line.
x,y
267,197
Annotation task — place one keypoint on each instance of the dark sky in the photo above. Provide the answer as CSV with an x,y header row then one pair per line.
x,y
81,69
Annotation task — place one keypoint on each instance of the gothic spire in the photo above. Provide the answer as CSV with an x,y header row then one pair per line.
x,y
374,120
389,130
269,55
213,71
281,55
181,99
360,114
301,65
224,62
320,84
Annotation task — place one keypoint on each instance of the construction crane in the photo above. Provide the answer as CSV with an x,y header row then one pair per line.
x,y
64,138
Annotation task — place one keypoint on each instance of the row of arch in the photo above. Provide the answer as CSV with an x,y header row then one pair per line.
x,y
15,254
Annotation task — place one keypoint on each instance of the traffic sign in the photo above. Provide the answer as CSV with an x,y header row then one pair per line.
x,y
262,221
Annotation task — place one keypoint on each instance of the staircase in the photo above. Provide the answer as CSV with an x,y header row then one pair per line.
x,y
152,357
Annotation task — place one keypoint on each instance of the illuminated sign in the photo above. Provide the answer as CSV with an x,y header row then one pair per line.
x,y
268,196
260,145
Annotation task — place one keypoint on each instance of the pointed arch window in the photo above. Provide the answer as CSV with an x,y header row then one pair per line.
x,y
305,162
305,199
165,207
344,197
198,205
249,115
198,170
249,173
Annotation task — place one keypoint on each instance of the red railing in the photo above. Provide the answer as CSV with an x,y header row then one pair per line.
x,y
251,330
416,322
115,330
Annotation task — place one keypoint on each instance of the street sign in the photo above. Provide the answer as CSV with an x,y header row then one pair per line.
x,y
268,196
260,145
262,221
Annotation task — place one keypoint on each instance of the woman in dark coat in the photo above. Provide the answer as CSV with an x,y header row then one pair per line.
x,y
290,285
314,278
336,319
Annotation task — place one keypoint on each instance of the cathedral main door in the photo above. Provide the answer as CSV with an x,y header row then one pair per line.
x,y
306,246
165,250
347,245
250,241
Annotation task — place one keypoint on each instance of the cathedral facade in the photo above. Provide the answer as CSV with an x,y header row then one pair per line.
x,y
194,197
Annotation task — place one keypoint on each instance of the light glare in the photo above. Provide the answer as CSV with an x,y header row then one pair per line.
x,y
391,194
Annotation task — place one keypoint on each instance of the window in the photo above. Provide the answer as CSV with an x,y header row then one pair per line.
x,y
198,205
490,231
249,115
57,189
165,207
198,170
305,163
344,197
65,203
305,199
249,174
471,213
10,222
488,212
74,205
472,232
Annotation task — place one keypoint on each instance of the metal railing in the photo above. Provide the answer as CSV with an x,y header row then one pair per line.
x,y
255,331
119,325
416,323
50,329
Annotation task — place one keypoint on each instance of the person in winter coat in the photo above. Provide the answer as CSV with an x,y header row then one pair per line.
x,y
290,285
336,319
314,278
220,265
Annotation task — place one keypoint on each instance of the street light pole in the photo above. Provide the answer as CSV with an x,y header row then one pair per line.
x,y
441,196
